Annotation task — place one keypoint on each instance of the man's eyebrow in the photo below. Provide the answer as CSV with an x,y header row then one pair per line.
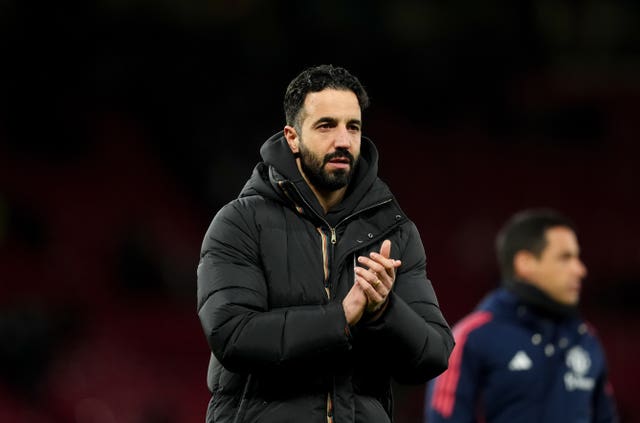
x,y
325,119
334,121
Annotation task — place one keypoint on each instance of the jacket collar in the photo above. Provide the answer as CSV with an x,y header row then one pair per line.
x,y
279,172
539,301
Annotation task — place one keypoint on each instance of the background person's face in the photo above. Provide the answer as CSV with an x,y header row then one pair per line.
x,y
559,271
330,138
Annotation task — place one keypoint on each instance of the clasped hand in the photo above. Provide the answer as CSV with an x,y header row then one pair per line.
x,y
374,278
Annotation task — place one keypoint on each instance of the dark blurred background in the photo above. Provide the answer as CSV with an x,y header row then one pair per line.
x,y
126,124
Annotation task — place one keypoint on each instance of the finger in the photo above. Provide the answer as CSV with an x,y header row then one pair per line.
x,y
373,258
371,277
380,264
372,294
385,249
373,265
385,253
356,288
371,281
376,273
389,264
374,299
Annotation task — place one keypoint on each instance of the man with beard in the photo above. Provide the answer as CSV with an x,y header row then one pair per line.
x,y
312,286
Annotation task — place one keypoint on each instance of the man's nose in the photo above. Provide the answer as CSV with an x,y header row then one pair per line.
x,y
343,138
581,268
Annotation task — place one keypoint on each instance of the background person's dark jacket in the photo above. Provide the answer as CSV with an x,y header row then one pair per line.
x,y
522,358
280,345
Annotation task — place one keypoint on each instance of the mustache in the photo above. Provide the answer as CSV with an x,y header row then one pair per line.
x,y
339,154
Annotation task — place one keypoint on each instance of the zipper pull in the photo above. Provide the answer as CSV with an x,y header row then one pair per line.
x,y
333,236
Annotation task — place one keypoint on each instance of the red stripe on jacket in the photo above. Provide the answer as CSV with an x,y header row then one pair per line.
x,y
444,394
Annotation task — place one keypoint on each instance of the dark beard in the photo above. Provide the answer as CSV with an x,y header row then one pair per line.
x,y
319,177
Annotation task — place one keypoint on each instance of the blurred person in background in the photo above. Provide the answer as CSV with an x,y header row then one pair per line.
x,y
312,285
525,354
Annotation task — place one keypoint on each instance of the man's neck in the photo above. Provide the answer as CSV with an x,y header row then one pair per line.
x,y
327,199
539,300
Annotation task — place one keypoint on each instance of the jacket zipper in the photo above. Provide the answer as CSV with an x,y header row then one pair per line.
x,y
326,262
332,229
333,240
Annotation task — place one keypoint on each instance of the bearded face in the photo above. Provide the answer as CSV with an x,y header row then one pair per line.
x,y
327,138
329,172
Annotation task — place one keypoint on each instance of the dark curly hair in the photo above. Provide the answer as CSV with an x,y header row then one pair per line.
x,y
316,79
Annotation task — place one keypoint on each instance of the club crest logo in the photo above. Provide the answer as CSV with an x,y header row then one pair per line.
x,y
579,362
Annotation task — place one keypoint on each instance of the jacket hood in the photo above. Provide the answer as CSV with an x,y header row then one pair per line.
x,y
279,164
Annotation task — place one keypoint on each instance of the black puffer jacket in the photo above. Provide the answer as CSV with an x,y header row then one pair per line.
x,y
282,350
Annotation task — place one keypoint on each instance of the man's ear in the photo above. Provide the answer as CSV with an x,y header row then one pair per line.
x,y
524,264
291,135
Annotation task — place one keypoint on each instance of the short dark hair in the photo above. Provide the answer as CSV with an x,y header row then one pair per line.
x,y
315,79
526,230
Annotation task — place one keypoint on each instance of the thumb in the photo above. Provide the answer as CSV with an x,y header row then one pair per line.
x,y
385,248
